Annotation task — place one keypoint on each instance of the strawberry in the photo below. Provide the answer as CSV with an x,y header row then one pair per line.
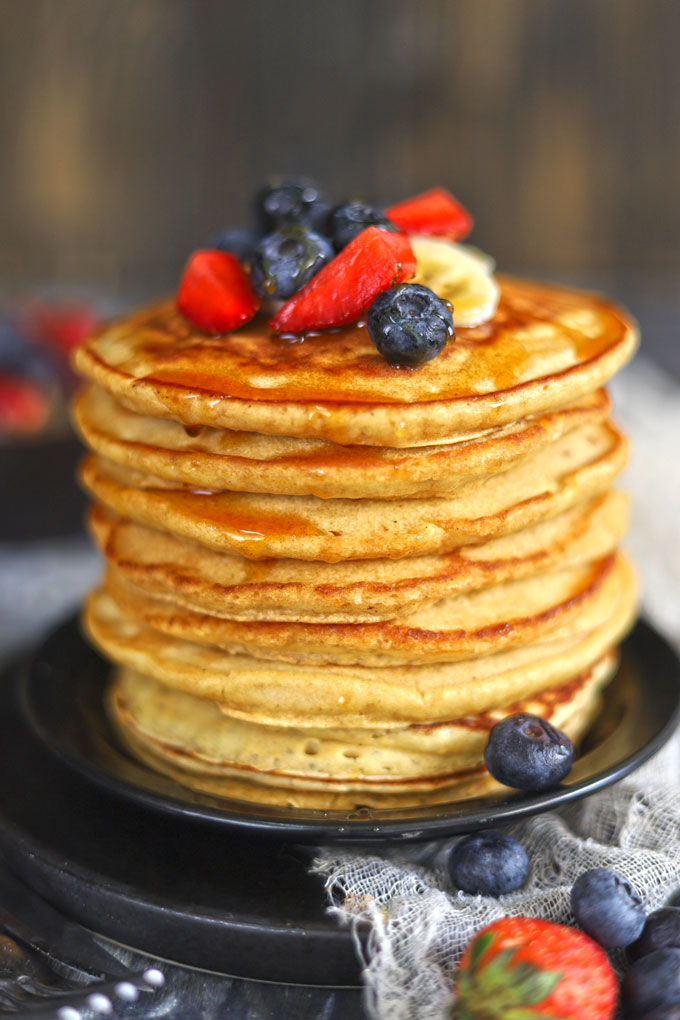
x,y
23,407
63,328
520,968
373,262
215,292
435,212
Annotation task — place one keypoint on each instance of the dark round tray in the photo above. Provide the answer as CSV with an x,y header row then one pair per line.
x,y
62,703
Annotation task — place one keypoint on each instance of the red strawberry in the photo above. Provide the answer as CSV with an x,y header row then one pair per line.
x,y
215,292
434,212
520,968
374,261
23,407
63,328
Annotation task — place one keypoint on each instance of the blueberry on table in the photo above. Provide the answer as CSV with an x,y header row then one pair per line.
x,y
285,201
409,324
527,753
490,863
284,261
652,983
662,931
607,907
348,220
239,241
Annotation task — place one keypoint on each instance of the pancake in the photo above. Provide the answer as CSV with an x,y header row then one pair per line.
x,y
458,627
580,464
544,348
366,697
354,591
248,462
351,760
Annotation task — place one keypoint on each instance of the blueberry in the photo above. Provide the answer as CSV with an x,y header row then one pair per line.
x,y
285,201
662,931
346,221
239,241
489,863
652,982
409,324
283,261
607,907
527,753
19,356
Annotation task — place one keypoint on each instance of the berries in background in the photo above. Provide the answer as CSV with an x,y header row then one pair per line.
x,y
435,212
239,241
215,292
342,291
607,907
527,753
348,220
521,967
285,201
490,863
662,931
409,324
24,408
652,983
284,261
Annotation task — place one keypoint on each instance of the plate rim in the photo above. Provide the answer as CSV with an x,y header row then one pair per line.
x,y
338,830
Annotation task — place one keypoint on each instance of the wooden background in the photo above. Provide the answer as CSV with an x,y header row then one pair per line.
x,y
132,130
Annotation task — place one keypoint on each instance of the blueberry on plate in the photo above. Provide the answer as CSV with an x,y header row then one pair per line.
x,y
489,863
652,983
662,931
607,907
527,753
282,262
409,324
348,220
238,241
285,201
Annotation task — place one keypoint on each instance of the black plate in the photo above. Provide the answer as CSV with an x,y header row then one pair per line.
x,y
61,699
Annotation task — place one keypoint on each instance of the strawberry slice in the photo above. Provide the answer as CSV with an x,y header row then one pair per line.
x,y
435,212
374,261
215,292
23,407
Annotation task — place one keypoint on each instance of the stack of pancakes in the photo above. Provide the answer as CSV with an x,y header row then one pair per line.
x,y
329,577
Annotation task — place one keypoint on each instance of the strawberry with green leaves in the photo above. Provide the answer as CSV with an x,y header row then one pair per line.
x,y
520,968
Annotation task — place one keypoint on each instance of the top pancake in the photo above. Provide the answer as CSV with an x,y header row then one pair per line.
x,y
544,347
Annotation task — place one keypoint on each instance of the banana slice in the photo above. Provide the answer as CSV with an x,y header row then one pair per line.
x,y
461,275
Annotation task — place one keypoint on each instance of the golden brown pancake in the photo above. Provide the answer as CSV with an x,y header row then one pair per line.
x,y
415,757
458,627
328,576
544,348
219,459
182,737
579,465
353,591
355,696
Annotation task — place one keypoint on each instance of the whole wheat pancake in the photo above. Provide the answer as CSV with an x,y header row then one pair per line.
x,y
353,591
356,696
458,627
248,462
580,464
195,728
544,348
